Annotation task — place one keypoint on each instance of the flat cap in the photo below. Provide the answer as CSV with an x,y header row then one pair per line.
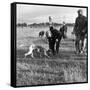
x,y
80,10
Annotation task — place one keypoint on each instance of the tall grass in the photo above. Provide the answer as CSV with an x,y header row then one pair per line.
x,y
50,72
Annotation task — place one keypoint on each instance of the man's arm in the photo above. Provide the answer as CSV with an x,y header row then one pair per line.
x,y
75,27
85,25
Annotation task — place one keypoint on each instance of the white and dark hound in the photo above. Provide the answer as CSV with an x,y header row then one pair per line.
x,y
39,49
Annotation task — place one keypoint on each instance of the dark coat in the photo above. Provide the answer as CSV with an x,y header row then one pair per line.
x,y
54,39
55,34
63,31
80,25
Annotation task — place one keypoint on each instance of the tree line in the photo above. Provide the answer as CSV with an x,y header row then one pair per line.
x,y
41,24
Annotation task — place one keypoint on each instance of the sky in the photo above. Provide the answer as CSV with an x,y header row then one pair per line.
x,y
39,14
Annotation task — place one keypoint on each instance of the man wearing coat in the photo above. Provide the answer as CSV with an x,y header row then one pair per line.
x,y
80,30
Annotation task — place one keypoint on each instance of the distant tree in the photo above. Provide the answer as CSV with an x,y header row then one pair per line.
x,y
22,24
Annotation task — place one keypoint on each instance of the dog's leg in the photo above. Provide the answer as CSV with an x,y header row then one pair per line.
x,y
32,55
26,54
45,52
29,52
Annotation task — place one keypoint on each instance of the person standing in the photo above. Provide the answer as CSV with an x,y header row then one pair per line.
x,y
63,30
50,22
80,29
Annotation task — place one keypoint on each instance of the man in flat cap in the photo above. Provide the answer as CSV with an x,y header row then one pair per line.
x,y
80,30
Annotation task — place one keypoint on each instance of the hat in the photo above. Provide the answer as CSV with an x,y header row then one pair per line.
x,y
80,10
64,22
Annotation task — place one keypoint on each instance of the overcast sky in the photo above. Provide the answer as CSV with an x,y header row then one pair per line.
x,y
38,14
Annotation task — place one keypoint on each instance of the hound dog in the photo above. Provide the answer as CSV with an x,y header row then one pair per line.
x,y
39,49
41,33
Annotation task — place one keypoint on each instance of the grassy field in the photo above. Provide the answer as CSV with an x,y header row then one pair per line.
x,y
66,67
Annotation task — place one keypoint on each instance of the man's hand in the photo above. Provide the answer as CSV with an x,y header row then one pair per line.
x,y
83,31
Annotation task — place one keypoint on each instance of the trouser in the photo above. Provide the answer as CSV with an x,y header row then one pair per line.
x,y
57,44
64,35
85,45
79,42
51,45
54,45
